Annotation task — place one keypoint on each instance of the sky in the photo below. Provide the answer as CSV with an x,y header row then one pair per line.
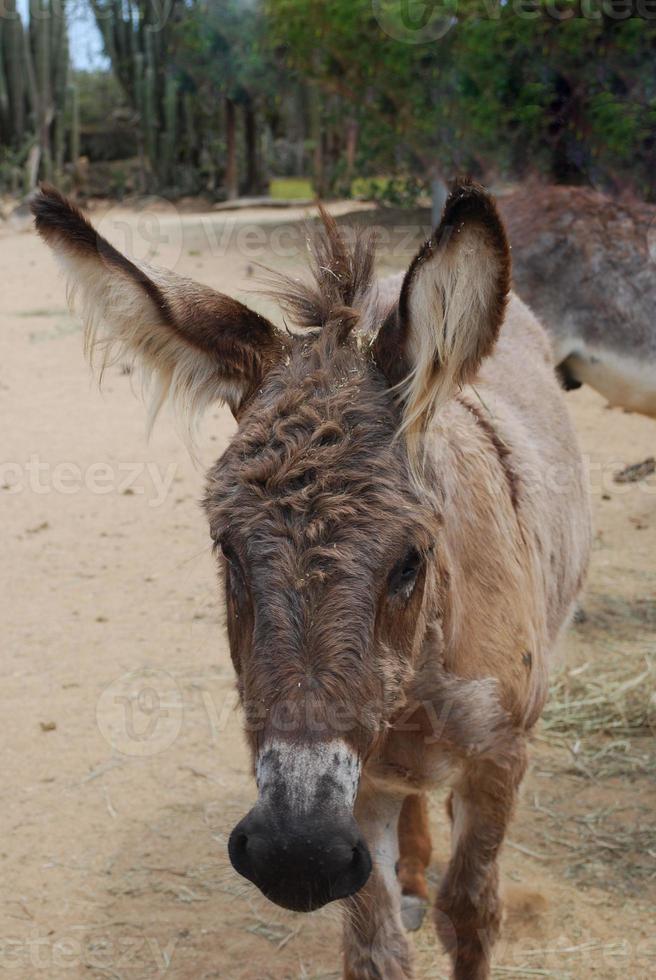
x,y
84,37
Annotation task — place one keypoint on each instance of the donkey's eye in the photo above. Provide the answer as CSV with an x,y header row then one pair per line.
x,y
233,562
404,575
227,551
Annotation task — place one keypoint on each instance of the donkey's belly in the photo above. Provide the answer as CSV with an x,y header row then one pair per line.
x,y
622,379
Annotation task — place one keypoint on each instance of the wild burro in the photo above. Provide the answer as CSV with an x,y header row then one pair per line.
x,y
402,528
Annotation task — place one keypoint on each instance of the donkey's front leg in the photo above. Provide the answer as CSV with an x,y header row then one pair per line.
x,y
375,946
468,907
414,856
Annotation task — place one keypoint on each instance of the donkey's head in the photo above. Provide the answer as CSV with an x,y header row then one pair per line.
x,y
324,509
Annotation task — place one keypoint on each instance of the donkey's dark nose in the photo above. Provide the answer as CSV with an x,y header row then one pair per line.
x,y
300,863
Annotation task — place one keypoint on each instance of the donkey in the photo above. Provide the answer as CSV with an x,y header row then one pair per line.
x,y
585,263
402,528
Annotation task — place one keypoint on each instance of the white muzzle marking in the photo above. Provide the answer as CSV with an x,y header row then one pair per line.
x,y
326,773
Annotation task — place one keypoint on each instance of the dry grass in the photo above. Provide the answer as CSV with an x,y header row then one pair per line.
x,y
603,716
596,738
584,701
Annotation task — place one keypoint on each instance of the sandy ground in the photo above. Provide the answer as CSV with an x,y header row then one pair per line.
x,y
123,764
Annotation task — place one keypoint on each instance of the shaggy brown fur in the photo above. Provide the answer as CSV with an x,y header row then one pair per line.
x,y
402,527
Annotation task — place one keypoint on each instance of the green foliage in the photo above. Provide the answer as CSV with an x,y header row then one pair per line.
x,y
220,46
99,97
570,98
498,89
502,88
398,192
290,188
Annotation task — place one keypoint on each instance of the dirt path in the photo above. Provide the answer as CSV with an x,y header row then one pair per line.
x,y
123,766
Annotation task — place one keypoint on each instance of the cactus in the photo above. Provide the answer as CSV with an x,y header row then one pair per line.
x,y
169,136
34,75
4,92
40,31
61,94
149,119
137,44
75,123
12,38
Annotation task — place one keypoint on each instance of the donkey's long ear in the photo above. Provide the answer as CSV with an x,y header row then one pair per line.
x,y
450,309
198,345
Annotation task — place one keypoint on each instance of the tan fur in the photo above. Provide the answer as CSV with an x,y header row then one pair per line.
x,y
407,602
448,300
450,310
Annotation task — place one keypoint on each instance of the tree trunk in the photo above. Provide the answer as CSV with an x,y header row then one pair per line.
x,y
232,188
75,124
333,150
252,176
265,157
351,148
563,126
316,134
32,165
13,51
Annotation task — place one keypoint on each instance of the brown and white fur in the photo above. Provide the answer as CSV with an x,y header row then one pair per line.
x,y
402,527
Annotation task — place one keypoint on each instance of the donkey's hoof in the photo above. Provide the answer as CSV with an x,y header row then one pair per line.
x,y
413,910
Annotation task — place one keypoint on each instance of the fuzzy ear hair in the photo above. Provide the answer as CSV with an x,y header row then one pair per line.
x,y
450,309
197,345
